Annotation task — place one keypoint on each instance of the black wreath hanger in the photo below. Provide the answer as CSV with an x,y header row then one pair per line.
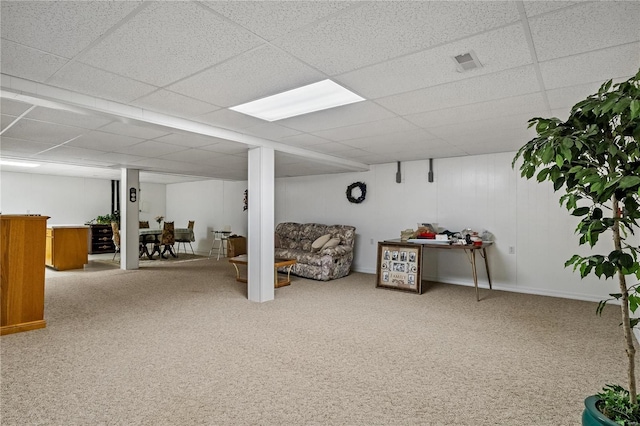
x,y
363,192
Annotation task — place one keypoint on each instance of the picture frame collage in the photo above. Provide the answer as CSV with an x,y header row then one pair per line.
x,y
399,266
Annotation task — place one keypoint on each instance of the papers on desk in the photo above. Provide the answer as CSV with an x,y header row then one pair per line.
x,y
428,241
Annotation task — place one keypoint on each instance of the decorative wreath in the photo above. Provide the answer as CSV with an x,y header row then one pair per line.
x,y
363,192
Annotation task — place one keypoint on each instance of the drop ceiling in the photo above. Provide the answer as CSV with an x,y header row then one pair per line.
x,y
91,87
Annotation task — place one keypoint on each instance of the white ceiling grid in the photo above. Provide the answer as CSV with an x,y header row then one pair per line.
x,y
156,64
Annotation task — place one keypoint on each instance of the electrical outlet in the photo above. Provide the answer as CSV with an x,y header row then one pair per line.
x,y
512,250
371,242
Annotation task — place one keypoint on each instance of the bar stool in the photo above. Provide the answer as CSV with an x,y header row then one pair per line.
x,y
220,237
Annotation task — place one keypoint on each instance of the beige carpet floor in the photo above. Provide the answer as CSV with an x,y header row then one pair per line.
x,y
179,344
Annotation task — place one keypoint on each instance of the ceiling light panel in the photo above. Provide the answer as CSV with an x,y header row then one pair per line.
x,y
318,96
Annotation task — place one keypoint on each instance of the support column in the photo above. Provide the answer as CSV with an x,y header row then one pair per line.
x,y
129,215
260,270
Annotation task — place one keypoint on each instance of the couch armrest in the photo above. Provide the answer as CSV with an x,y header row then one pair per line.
x,y
336,251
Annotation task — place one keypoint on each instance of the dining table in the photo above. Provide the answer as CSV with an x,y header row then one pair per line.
x,y
149,236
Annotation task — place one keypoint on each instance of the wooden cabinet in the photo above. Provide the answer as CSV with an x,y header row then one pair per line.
x,y
67,247
100,239
22,244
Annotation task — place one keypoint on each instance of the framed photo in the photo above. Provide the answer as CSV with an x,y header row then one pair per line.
x,y
399,266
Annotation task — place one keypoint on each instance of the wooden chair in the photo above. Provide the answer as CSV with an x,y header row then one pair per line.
x,y
168,240
116,238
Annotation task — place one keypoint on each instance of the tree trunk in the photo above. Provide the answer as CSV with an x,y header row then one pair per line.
x,y
628,337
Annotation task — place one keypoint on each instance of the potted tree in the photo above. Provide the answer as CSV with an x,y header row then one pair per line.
x,y
594,157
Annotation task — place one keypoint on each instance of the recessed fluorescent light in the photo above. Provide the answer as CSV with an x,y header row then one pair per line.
x,y
324,94
17,163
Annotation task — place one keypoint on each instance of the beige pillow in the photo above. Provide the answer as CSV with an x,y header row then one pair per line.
x,y
331,243
320,242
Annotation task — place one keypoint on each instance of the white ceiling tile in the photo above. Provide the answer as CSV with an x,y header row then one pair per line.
x,y
62,152
261,72
272,19
229,119
131,130
194,155
13,107
504,141
509,83
228,161
302,140
538,7
497,50
188,140
414,136
330,148
39,131
361,112
599,66
149,148
585,27
345,42
120,159
174,104
168,41
270,131
566,97
59,116
6,120
479,111
381,127
103,141
68,27
29,63
19,146
237,149
497,125
95,82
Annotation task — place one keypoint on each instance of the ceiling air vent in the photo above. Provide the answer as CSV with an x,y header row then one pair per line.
x,y
467,61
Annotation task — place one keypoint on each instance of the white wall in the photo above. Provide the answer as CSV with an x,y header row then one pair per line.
x,y
212,204
481,192
68,200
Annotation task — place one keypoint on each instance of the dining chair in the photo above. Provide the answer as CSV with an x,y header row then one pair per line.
x,y
186,239
168,239
115,228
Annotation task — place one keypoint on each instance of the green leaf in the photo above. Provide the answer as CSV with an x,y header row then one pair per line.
x,y
634,301
580,211
629,181
635,109
542,175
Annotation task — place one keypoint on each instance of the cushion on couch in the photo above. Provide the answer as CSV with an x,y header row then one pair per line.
x,y
319,243
333,242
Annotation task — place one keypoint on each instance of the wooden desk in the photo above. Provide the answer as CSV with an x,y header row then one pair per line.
x,y
67,247
469,250
278,263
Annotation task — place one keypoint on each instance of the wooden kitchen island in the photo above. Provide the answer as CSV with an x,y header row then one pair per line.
x,y
67,247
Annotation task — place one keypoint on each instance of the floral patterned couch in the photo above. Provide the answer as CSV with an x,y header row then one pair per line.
x,y
295,240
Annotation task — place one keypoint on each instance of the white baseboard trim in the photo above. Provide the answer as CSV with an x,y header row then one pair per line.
x,y
501,287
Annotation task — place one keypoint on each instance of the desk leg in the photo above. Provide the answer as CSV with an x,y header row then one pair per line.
x,y
475,273
486,265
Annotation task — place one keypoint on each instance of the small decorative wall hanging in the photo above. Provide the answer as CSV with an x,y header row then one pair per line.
x,y
363,192
246,200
